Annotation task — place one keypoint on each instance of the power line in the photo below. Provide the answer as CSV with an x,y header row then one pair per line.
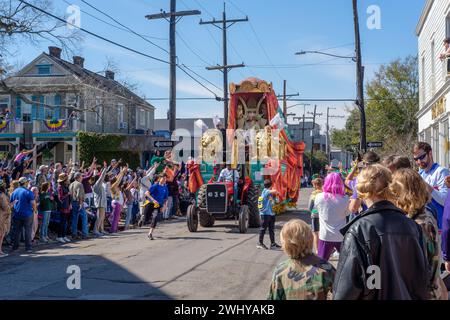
x,y
191,50
129,29
202,78
258,40
94,34
113,25
115,43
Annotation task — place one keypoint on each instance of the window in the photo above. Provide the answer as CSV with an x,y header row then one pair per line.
x,y
141,118
423,81
433,76
98,112
435,145
26,110
447,26
120,115
446,144
5,103
44,69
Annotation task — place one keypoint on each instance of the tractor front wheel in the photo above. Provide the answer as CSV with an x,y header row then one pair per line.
x,y
254,220
192,218
206,219
243,219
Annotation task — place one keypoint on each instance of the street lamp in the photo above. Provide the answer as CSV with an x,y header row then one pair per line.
x,y
359,87
326,54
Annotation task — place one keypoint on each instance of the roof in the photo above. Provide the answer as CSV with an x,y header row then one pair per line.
x,y
81,73
423,17
108,84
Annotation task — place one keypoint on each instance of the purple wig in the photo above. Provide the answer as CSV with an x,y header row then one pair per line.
x,y
333,185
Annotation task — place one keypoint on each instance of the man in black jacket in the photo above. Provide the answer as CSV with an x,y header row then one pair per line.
x,y
382,256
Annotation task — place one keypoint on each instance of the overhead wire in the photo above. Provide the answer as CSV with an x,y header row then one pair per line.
x,y
115,43
113,25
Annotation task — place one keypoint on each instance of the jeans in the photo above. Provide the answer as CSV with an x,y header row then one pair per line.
x,y
45,223
20,223
63,225
129,215
175,205
267,222
167,213
77,212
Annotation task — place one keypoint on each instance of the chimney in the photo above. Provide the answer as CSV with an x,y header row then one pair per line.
x,y
109,74
55,52
79,61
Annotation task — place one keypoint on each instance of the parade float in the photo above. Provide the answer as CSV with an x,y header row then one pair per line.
x,y
257,144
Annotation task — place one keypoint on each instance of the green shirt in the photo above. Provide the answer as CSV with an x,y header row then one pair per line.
x,y
309,278
45,203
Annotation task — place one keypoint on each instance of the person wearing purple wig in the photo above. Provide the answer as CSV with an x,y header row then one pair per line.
x,y
332,206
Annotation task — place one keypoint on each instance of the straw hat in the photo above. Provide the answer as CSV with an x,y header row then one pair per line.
x,y
62,177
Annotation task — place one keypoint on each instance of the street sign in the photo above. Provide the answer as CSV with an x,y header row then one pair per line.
x,y
374,144
164,144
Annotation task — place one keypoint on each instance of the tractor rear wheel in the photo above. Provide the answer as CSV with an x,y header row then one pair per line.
x,y
243,219
254,220
201,197
192,218
206,219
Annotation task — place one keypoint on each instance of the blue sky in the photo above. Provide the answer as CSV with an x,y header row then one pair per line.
x,y
277,29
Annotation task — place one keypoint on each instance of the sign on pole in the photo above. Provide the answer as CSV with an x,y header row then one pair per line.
x,y
164,144
374,144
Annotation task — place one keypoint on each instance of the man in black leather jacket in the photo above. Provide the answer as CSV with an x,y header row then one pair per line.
x,y
381,257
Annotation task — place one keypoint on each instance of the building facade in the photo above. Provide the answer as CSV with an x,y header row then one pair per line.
x,y
50,100
434,79
305,133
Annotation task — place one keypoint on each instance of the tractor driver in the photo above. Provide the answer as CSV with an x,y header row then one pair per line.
x,y
226,175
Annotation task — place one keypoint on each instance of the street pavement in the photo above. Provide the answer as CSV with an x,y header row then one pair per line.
x,y
213,263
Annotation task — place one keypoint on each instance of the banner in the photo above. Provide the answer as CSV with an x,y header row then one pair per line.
x,y
3,125
54,125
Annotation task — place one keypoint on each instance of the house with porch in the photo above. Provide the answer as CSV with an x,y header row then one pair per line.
x,y
50,100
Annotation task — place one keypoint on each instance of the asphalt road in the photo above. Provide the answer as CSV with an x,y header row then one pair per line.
x,y
213,263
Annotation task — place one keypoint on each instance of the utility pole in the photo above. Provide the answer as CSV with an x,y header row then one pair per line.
x,y
328,132
284,99
223,25
359,79
313,136
172,15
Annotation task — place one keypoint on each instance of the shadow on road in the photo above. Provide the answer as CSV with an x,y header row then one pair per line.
x,y
29,277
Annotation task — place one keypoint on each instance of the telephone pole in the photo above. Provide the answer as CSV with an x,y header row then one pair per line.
x,y
172,18
315,114
359,79
224,25
328,132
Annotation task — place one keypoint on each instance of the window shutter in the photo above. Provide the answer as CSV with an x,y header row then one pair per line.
x,y
41,108
18,108
57,110
34,108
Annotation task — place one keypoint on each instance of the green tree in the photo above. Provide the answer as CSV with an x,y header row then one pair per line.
x,y
392,101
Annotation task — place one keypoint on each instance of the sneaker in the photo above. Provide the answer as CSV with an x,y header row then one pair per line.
x,y
66,239
28,251
98,234
60,240
3,255
274,245
261,246
150,236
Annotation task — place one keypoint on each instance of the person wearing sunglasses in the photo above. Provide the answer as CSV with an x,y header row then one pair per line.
x,y
434,175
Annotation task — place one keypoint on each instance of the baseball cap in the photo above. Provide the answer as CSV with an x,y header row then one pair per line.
x,y
23,180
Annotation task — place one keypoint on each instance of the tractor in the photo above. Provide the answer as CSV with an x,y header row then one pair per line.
x,y
253,107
